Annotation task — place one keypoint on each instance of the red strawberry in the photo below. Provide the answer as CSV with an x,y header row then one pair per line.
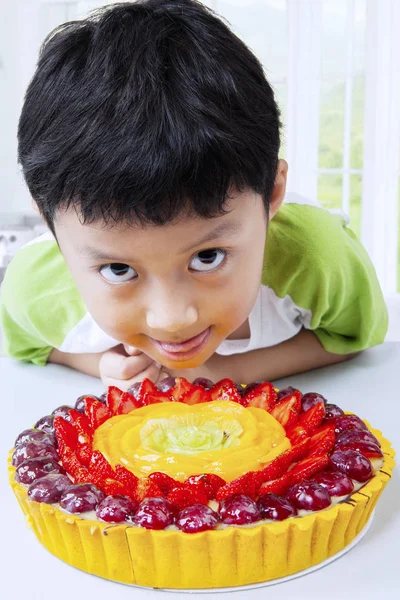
x,y
287,411
211,483
114,396
262,396
128,479
313,417
66,434
112,487
72,465
225,389
276,486
100,468
322,441
82,426
276,468
296,433
300,450
84,453
308,467
196,395
147,489
127,403
245,484
164,481
146,387
180,388
97,412
184,496
156,397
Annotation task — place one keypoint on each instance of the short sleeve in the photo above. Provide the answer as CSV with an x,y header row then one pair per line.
x,y
39,304
317,260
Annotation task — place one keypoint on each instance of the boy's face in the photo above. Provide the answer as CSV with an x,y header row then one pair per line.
x,y
157,288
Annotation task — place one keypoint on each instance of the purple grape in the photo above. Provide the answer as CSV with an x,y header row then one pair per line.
x,y
166,384
357,435
348,422
366,448
46,424
310,399
204,382
134,389
275,507
34,468
80,404
335,483
48,489
35,435
353,464
332,411
33,450
62,411
239,388
308,496
251,386
116,509
287,391
103,398
154,513
238,510
197,518
81,497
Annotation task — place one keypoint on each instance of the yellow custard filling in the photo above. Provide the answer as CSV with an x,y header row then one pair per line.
x,y
219,437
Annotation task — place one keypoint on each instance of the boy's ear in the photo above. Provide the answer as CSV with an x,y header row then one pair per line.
x,y
278,193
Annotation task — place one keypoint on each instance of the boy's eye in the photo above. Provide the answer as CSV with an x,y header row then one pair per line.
x,y
207,260
117,273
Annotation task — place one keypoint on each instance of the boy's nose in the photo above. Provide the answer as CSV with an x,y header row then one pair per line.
x,y
171,313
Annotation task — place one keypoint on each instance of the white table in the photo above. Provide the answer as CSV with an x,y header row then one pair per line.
x,y
368,385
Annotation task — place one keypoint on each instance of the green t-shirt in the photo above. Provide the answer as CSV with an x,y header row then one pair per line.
x,y
316,275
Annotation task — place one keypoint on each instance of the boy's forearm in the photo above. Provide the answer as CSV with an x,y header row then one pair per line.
x,y
301,353
86,363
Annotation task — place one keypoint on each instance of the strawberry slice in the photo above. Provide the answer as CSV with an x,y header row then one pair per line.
x,y
296,433
262,396
97,412
156,397
84,453
225,389
196,395
313,417
322,441
72,465
276,468
308,467
276,486
114,396
245,484
184,496
164,481
210,482
300,450
128,479
181,387
113,487
287,411
82,426
146,387
127,403
66,434
100,469
147,489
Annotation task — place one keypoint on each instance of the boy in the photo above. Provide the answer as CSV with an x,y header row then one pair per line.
x,y
149,141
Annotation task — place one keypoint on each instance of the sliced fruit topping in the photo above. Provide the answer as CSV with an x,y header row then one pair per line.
x,y
82,426
34,468
197,518
128,478
287,391
322,441
347,422
166,384
45,423
310,399
100,468
116,509
145,488
74,467
66,434
245,484
353,464
181,386
262,395
308,496
335,483
154,513
82,497
196,395
296,433
225,389
33,450
275,507
287,411
62,411
307,467
80,403
183,496
355,435
332,411
210,483
204,382
49,488
365,448
277,486
313,417
238,510
97,412
35,435
114,396
164,481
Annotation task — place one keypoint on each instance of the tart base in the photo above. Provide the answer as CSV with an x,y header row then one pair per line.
x,y
225,558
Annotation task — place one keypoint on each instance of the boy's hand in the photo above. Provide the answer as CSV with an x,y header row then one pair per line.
x,y
122,366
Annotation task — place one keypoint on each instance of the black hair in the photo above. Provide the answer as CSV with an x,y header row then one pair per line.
x,y
144,109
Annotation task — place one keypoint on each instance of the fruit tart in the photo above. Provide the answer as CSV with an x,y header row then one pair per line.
x,y
199,485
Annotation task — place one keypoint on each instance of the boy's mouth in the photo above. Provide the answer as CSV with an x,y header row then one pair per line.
x,y
184,350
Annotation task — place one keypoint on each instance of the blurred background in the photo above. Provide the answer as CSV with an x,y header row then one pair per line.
x,y
335,70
